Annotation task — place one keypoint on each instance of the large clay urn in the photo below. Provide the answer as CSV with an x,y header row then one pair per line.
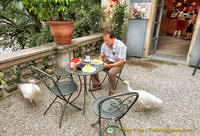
x,y
61,31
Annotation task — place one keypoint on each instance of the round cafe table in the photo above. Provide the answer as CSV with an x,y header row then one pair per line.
x,y
99,68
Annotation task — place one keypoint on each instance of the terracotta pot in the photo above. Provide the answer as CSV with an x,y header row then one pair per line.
x,y
61,31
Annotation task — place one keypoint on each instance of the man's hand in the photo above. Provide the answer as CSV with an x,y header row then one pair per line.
x,y
106,65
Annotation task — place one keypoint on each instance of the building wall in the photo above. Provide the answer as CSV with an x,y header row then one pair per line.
x,y
194,51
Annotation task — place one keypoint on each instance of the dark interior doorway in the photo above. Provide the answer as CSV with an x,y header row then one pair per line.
x,y
167,44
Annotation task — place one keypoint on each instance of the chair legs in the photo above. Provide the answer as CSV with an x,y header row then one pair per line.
x,y
90,87
118,78
93,124
100,130
74,105
121,127
98,122
50,105
104,78
58,78
79,90
63,109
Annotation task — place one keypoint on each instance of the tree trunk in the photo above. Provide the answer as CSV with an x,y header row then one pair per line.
x,y
60,16
36,21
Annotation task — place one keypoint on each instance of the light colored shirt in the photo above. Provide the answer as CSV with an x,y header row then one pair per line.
x,y
181,15
117,52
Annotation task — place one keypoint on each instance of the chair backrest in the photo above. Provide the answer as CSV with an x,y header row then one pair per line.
x,y
52,52
121,102
47,80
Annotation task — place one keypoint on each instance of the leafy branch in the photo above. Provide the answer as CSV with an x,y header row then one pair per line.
x,y
31,68
118,20
2,82
17,72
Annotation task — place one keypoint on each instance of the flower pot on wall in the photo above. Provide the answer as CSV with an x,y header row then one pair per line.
x,y
61,31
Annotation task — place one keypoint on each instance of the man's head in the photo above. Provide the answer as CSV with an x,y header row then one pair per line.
x,y
108,37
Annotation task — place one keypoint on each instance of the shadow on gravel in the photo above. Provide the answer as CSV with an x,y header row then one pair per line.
x,y
148,63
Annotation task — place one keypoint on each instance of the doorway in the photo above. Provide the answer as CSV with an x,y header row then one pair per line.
x,y
172,46
165,46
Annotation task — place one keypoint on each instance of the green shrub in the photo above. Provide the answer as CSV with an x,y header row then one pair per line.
x,y
24,26
87,19
118,20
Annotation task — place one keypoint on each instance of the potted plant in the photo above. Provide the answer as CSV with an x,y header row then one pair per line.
x,y
53,11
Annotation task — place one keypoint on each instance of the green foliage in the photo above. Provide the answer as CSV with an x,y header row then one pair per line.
x,y
118,20
13,25
19,29
87,19
22,27
48,9
30,67
17,72
2,82
45,63
36,39
1,75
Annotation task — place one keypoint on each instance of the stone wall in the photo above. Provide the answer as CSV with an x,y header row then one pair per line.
x,y
40,57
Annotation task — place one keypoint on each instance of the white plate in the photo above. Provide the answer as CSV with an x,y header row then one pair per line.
x,y
101,62
86,60
92,69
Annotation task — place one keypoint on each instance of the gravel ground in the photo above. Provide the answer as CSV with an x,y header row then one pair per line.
x,y
173,83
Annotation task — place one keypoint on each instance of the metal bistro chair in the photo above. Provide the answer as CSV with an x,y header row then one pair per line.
x,y
117,76
60,72
114,107
60,90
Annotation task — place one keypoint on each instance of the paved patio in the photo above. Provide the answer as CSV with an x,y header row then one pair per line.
x,y
173,83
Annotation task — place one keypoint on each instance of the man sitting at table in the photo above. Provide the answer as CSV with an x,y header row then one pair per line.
x,y
115,52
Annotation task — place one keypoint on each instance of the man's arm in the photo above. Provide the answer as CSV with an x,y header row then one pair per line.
x,y
116,64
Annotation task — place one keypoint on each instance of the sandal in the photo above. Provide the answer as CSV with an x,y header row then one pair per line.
x,y
96,88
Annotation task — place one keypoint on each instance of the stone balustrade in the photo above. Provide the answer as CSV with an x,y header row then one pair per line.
x,y
15,65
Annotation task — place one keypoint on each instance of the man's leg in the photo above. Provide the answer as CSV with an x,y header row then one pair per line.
x,y
95,82
112,78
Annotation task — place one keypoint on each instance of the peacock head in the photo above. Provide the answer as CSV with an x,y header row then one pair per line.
x,y
126,82
31,81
